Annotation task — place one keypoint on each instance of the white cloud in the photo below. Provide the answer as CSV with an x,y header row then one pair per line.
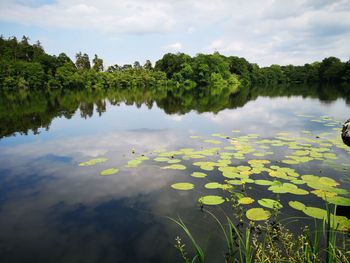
x,y
296,32
263,31
174,47
104,15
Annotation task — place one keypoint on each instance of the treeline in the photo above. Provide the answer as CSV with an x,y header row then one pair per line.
x,y
24,66
22,111
27,66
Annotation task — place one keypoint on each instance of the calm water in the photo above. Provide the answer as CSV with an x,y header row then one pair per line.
x,y
53,210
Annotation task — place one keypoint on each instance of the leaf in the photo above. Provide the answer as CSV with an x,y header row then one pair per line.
x,y
211,200
93,162
263,182
175,167
258,214
133,163
297,205
183,186
198,174
245,200
270,203
110,171
339,200
213,141
213,185
315,212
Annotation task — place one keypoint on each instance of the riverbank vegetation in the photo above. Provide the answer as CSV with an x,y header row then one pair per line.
x,y
28,66
270,241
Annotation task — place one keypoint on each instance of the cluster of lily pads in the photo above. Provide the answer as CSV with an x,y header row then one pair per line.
x,y
237,159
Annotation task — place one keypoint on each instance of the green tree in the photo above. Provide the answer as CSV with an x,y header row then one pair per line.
x,y
97,64
148,65
331,69
82,61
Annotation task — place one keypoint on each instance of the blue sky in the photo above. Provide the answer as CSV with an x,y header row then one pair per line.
x,y
122,31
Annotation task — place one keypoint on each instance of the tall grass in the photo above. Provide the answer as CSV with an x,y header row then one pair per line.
x,y
199,257
276,243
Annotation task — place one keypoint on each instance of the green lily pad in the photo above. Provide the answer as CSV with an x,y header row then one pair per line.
x,y
198,174
323,194
162,159
175,167
196,156
183,186
247,180
133,163
317,185
211,200
213,185
258,214
235,182
270,203
142,158
339,200
315,212
298,181
328,181
298,191
213,141
93,162
174,161
245,200
110,171
263,182
297,205
207,167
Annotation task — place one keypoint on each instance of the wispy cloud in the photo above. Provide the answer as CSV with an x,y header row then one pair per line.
x,y
174,47
263,31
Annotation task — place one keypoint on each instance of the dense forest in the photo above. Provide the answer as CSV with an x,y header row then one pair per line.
x,y
27,66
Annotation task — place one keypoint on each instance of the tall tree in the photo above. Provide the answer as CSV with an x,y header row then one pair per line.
x,y
148,65
82,61
97,64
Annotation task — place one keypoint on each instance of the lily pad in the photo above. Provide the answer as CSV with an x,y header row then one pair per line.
x,y
213,141
297,205
323,194
93,161
110,171
198,174
162,159
315,212
134,163
183,186
339,200
245,200
211,200
174,161
270,203
263,182
213,185
175,167
258,214
235,182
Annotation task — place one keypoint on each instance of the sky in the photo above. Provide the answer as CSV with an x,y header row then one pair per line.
x,y
123,31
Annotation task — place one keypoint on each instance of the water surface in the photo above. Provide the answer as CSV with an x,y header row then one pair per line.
x,y
53,210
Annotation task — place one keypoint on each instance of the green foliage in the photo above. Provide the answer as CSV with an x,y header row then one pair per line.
x,y
82,61
97,64
27,66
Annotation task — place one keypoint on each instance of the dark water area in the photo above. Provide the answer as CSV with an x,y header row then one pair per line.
x,y
54,210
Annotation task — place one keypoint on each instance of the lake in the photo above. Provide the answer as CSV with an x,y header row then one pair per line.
x,y
55,206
